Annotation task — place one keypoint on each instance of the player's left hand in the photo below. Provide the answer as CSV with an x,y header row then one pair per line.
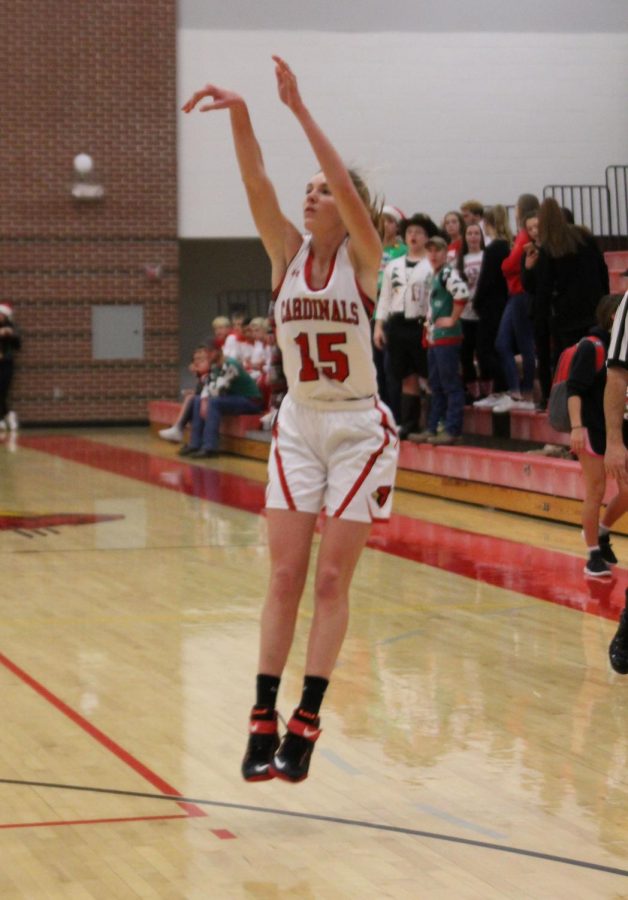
x,y
287,85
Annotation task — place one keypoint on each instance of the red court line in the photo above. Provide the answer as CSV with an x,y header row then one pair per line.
x,y
118,751
543,574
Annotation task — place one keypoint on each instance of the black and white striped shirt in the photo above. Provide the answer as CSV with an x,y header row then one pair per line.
x,y
618,350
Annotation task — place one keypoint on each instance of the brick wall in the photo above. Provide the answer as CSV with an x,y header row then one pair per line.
x,y
97,78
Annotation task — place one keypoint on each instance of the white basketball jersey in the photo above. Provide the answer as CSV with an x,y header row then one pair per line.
x,y
325,335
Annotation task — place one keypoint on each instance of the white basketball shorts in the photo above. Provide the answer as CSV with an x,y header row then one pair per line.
x,y
342,460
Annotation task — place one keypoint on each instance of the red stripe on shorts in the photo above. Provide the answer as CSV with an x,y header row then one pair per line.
x,y
363,475
282,474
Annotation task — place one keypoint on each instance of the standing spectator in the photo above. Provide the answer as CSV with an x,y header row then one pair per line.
x,y
392,248
469,263
221,327
401,312
570,277
472,212
585,392
448,297
452,228
616,457
491,294
10,343
516,331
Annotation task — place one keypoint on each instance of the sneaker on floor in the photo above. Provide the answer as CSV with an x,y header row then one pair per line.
x,y
12,421
421,437
262,745
618,649
187,450
173,434
291,762
606,549
443,439
596,567
505,404
488,402
203,453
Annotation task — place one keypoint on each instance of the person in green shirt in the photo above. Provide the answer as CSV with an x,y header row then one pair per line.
x,y
229,391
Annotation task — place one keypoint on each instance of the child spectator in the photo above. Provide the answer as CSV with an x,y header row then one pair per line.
x,y
221,326
199,367
388,386
448,297
10,343
228,390
236,345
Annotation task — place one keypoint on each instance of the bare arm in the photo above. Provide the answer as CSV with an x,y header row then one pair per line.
x,y
279,236
616,457
577,434
365,244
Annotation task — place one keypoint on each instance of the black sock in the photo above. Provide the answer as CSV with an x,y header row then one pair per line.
x,y
313,692
266,695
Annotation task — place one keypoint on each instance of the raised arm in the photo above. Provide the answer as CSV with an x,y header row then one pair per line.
x,y
279,236
365,246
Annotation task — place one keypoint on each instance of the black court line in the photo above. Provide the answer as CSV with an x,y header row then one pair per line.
x,y
334,820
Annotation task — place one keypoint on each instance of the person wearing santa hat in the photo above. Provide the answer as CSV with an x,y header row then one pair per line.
x,y
10,342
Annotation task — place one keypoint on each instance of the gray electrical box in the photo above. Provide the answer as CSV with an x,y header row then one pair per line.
x,y
118,332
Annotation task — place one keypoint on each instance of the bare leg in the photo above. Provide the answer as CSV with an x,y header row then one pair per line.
x,y
340,549
617,506
290,542
594,487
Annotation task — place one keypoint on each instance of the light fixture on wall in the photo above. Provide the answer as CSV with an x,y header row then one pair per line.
x,y
84,186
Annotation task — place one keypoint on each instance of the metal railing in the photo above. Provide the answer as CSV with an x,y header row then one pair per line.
x,y
603,208
252,303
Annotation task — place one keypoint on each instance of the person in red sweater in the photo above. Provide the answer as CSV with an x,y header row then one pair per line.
x,y
516,329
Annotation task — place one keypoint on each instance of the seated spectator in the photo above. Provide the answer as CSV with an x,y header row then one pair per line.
x,y
257,362
452,228
10,343
448,297
200,368
489,301
221,327
401,311
585,391
236,345
468,264
228,390
516,331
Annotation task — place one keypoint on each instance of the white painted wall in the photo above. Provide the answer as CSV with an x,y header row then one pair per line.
x,y
433,118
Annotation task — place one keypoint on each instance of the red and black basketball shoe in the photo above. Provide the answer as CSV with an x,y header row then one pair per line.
x,y
292,761
263,742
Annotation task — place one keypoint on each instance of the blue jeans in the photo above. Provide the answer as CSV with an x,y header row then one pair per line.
x,y
516,331
205,432
447,401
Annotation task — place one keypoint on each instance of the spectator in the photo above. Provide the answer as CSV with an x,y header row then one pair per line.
x,y
221,327
236,345
448,297
515,329
452,228
469,263
10,343
569,278
585,392
491,294
402,308
228,391
472,212
393,247
200,368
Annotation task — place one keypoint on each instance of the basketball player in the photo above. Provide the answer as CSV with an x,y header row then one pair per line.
x,y
334,443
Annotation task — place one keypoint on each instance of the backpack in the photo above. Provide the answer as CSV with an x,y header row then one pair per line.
x,y
557,404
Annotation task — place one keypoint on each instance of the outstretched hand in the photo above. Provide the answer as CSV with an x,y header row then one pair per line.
x,y
222,99
287,85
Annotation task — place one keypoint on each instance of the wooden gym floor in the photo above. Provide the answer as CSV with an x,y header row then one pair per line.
x,y
475,739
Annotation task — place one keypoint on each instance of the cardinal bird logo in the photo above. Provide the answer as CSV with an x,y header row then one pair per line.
x,y
381,494
47,523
